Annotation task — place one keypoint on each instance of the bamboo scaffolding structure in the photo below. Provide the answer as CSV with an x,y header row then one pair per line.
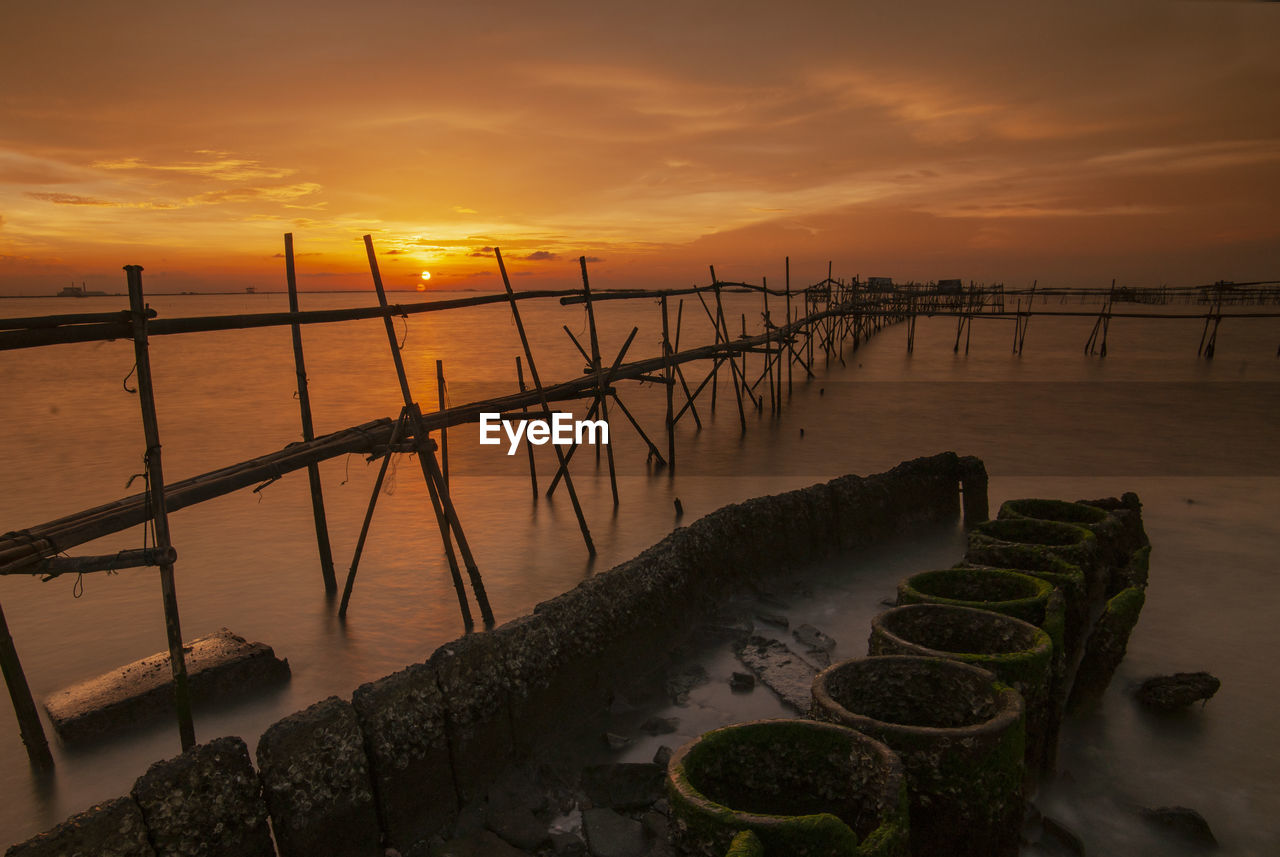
x,y
597,369
24,705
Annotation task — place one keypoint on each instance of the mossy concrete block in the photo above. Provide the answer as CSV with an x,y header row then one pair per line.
x,y
550,689
1128,510
923,490
206,802
1106,647
803,788
1135,572
315,780
113,828
473,674
401,717
1018,653
960,735
220,666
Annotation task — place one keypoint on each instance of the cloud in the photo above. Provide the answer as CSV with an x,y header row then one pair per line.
x,y
224,168
460,210
76,199
482,253
70,199
540,256
255,194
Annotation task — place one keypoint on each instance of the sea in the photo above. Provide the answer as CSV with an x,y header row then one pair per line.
x,y
1194,438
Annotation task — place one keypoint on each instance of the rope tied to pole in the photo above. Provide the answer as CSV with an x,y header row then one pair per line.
x,y
125,382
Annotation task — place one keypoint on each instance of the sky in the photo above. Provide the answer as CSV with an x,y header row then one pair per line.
x,y
1067,143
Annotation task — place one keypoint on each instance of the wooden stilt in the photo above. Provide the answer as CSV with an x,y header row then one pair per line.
x,y
601,399
308,429
533,470
733,366
24,706
671,421
680,372
546,405
159,515
444,432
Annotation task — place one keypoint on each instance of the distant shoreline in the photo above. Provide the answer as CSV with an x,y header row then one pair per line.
x,y
250,294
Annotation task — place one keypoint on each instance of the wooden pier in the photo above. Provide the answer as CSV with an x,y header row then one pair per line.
x,y
823,319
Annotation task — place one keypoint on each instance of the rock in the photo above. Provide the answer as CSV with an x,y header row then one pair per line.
x,y
819,658
220,667
810,636
742,682
663,756
110,829
680,683
482,844
1171,692
470,820
315,781
1057,838
655,823
1184,822
612,835
518,826
568,845
623,785
206,801
774,619
660,725
617,742
781,669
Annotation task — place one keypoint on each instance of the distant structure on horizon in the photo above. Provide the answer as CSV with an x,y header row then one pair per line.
x,y
74,291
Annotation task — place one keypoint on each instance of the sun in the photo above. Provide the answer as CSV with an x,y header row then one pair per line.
x,y
422,286
426,275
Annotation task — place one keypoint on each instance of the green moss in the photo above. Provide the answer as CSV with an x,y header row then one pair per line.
x,y
1123,610
1136,571
745,844
1052,510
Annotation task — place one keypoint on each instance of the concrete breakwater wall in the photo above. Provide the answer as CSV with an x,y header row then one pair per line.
x,y
392,766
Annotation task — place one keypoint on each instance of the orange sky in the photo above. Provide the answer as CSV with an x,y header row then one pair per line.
x,y
1066,142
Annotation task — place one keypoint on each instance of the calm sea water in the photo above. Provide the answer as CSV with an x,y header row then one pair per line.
x,y
1195,439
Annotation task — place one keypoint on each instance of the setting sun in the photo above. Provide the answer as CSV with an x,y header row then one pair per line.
x,y
426,275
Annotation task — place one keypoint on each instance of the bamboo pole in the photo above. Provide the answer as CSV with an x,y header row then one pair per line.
x,y
533,470
158,511
446,515
546,405
444,430
684,385
308,428
598,369
24,706
671,422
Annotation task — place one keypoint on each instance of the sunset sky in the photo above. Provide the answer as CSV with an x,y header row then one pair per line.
x,y
1069,142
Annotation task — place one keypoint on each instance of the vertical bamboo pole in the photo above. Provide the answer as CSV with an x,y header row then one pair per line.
x,y
533,471
156,501
693,409
442,505
546,405
444,430
596,366
24,706
671,422
715,365
733,365
308,429
791,349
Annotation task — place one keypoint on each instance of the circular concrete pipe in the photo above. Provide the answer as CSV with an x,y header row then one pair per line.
x,y
961,737
805,789
1017,652
1075,544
